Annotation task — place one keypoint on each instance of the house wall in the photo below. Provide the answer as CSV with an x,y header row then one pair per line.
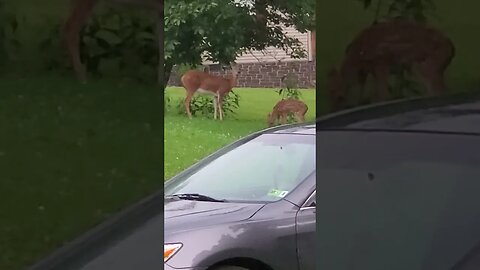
x,y
276,54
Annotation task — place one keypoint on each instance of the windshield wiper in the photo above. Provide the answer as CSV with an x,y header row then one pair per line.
x,y
194,197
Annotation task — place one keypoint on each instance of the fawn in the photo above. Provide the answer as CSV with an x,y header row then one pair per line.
x,y
284,107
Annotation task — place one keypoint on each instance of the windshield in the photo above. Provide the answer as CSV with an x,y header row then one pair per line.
x,y
266,168
397,200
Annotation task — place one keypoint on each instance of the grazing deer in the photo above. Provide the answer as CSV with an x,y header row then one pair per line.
x,y
384,45
80,12
284,107
204,83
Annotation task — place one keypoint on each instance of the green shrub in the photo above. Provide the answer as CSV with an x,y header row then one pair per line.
x,y
290,89
167,102
9,42
403,83
54,55
203,105
124,44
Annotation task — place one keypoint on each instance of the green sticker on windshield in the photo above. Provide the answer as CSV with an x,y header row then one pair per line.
x,y
277,193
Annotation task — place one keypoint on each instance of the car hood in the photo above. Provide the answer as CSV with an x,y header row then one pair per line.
x,y
183,215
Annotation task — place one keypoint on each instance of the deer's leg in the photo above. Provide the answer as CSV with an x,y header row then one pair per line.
x,y
439,86
362,79
297,117
78,16
220,110
422,76
432,78
220,106
301,117
186,103
270,120
381,78
215,106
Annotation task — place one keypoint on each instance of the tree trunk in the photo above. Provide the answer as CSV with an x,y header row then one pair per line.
x,y
161,40
167,70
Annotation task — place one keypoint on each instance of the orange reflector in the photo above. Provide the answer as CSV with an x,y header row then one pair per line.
x,y
168,253
169,250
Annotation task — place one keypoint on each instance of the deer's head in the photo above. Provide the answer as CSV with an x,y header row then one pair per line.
x,y
235,69
270,119
336,89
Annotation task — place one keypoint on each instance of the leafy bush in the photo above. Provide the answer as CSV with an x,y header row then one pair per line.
x,y
290,89
8,30
54,54
403,83
415,10
203,104
125,44
167,102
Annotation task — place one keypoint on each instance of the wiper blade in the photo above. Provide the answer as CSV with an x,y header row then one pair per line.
x,y
194,197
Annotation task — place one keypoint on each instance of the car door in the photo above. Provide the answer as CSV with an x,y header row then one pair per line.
x,y
306,233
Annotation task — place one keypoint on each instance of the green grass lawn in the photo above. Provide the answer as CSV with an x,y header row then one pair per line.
x,y
187,141
70,156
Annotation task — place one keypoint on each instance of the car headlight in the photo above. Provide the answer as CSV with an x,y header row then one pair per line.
x,y
169,250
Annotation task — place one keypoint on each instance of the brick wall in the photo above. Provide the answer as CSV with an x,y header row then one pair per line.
x,y
265,74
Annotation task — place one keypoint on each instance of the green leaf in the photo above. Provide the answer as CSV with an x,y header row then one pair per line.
x,y
146,36
108,36
113,23
367,3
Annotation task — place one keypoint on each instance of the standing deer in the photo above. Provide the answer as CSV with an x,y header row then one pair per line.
x,y
80,12
204,83
284,107
378,48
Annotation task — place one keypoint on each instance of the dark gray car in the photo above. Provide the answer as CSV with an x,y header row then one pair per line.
x,y
399,186
250,205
